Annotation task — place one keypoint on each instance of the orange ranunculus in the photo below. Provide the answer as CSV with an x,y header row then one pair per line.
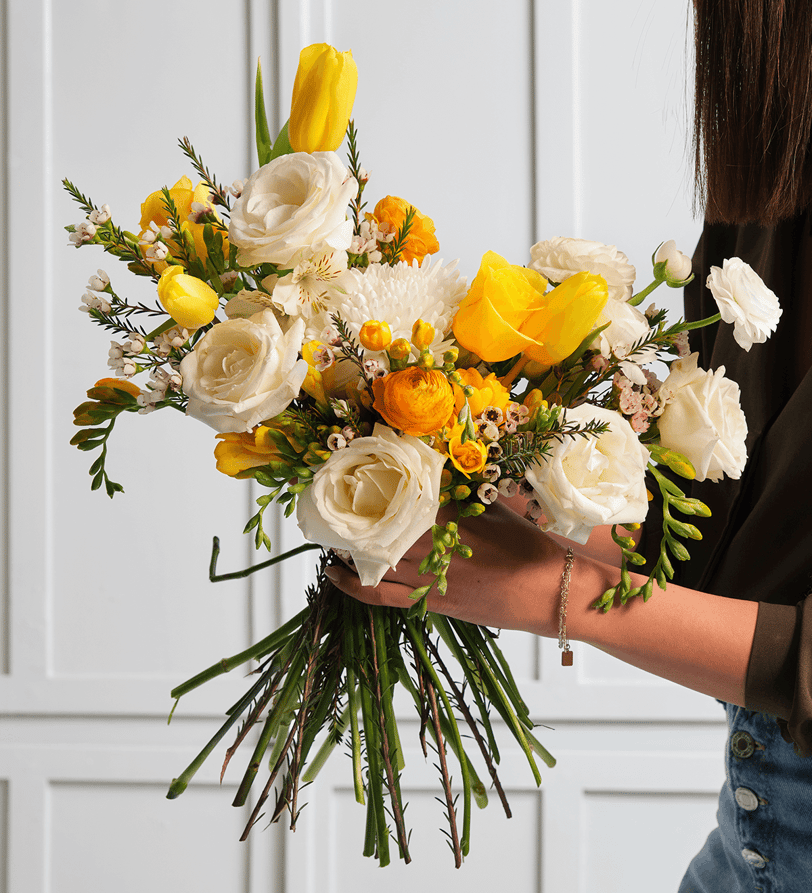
x,y
416,401
469,457
182,194
239,452
506,312
489,391
421,239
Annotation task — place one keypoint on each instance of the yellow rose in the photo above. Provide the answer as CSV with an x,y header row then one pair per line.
x,y
416,401
323,94
421,240
506,312
190,301
489,391
240,452
182,194
469,457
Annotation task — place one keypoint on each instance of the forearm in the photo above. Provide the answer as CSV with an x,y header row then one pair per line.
x,y
698,640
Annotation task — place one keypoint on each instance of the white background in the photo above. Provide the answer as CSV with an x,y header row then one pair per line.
x,y
506,123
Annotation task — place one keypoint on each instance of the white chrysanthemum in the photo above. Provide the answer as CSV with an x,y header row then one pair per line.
x,y
399,296
560,258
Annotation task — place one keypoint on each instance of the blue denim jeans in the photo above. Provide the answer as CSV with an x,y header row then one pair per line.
x,y
764,840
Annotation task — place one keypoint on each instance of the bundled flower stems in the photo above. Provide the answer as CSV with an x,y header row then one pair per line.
x,y
364,386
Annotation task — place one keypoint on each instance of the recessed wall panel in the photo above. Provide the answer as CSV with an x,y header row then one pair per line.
x,y
129,838
639,842
130,589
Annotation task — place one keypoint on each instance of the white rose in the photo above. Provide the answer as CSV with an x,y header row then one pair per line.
x,y
560,258
744,300
295,203
627,325
588,481
243,371
703,420
375,498
678,266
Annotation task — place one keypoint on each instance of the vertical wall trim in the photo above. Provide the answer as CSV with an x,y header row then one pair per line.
x,y
577,124
5,420
533,129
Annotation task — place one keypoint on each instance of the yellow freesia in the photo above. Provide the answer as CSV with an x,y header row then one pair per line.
x,y
239,452
469,457
488,391
323,95
190,301
506,312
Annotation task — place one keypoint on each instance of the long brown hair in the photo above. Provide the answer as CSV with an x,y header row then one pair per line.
x,y
753,108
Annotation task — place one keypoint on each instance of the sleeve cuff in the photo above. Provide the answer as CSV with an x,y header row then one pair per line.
x,y
771,672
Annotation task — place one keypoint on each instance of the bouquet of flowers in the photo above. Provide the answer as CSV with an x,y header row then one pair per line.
x,y
365,386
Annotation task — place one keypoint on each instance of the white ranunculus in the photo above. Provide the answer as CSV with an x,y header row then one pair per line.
x,y
627,325
294,203
677,265
243,371
375,498
744,300
703,420
558,259
589,481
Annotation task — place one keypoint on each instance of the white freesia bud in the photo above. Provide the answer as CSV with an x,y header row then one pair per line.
x,y
745,301
677,265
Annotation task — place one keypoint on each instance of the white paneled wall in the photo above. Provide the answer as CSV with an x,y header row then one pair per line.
x,y
506,123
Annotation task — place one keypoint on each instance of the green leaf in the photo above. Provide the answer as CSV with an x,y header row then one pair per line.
x,y
282,145
261,120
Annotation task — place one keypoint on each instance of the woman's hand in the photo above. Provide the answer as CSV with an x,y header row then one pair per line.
x,y
512,580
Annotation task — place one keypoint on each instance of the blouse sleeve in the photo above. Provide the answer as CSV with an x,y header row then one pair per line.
x,y
779,675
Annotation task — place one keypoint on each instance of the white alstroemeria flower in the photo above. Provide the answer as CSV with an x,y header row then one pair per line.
x,y
703,420
374,498
585,482
558,259
677,265
306,290
246,303
745,301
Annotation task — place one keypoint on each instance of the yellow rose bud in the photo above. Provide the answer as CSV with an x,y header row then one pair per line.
x,y
375,335
323,95
400,349
416,401
506,312
469,457
421,240
422,334
190,301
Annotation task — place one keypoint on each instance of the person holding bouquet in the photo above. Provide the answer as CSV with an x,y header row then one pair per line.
x,y
736,623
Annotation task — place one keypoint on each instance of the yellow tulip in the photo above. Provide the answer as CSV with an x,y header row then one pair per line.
x,y
323,94
506,312
190,301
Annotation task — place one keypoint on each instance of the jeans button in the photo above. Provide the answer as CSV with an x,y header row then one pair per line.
x,y
746,799
751,857
742,744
